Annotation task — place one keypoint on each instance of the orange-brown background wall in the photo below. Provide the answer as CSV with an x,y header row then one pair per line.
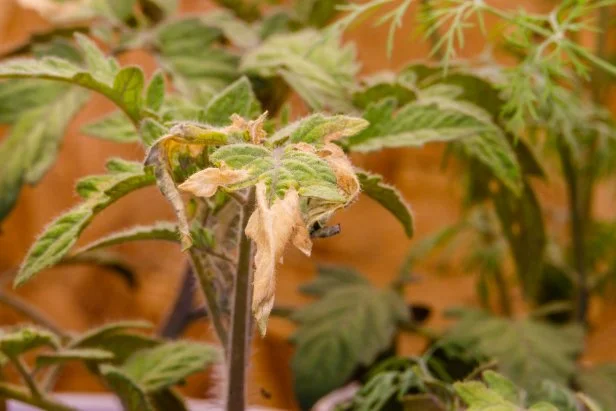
x,y
371,240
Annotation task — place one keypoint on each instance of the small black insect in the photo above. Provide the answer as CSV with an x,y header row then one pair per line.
x,y
319,231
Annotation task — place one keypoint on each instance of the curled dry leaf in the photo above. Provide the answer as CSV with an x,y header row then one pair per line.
x,y
206,182
343,169
60,11
272,228
254,127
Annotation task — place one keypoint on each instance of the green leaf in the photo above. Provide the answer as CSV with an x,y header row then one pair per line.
x,y
493,150
503,386
168,399
95,337
151,131
74,354
280,169
389,197
118,339
237,98
418,123
107,260
58,238
527,351
522,223
132,396
164,231
556,395
155,94
314,64
326,352
19,341
318,129
481,398
330,278
124,87
31,148
188,50
381,86
316,13
19,96
113,127
114,9
599,382
169,364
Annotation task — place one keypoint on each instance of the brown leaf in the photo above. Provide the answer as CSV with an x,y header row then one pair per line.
x,y
272,228
253,127
343,169
205,182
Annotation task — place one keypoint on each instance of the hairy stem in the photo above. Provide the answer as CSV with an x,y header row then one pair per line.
x,y
18,393
239,345
31,312
207,286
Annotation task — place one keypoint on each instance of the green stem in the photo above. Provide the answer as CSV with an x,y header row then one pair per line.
x,y
435,37
240,317
26,376
207,286
503,292
577,224
18,393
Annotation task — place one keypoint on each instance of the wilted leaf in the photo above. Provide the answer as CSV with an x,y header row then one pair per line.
x,y
74,354
389,197
527,351
349,327
280,169
169,363
272,228
322,77
18,341
58,238
115,127
32,145
59,11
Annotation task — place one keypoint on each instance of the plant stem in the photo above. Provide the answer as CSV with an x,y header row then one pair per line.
x,y
20,394
26,376
577,224
240,317
177,319
503,292
31,312
205,280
